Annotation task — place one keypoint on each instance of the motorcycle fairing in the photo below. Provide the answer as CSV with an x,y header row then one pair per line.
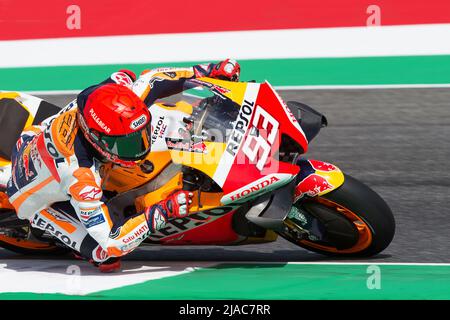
x,y
224,160
263,120
206,227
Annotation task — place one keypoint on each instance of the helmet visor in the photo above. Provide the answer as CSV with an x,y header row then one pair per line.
x,y
134,146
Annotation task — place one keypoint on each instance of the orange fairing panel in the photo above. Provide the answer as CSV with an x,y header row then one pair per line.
x,y
4,202
4,162
153,197
121,179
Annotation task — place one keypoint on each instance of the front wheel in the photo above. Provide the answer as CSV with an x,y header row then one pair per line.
x,y
352,220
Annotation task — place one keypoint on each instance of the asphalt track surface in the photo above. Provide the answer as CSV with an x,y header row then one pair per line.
x,y
395,140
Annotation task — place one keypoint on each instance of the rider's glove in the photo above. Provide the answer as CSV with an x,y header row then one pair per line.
x,y
228,69
177,204
174,206
129,73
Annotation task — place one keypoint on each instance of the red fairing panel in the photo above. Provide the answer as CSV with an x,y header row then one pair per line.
x,y
254,167
211,227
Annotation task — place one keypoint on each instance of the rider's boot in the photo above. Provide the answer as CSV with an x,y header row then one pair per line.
x,y
111,265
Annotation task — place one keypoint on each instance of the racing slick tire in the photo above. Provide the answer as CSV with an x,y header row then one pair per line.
x,y
356,221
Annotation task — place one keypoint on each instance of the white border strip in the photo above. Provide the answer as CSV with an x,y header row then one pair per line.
x,y
365,263
53,92
287,88
363,86
402,40
375,263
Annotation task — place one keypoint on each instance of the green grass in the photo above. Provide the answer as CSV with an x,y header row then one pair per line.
x,y
279,72
282,281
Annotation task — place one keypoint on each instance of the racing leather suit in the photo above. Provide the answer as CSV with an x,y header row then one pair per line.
x,y
56,183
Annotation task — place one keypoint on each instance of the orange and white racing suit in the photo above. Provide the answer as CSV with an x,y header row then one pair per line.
x,y
56,184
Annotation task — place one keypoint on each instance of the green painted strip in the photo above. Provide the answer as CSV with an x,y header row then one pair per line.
x,y
279,72
283,281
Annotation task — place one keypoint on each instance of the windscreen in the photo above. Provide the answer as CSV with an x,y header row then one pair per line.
x,y
213,114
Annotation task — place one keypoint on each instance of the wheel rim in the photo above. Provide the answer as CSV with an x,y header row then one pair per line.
x,y
26,244
364,231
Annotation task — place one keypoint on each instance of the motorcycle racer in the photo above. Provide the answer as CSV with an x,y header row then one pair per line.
x,y
55,178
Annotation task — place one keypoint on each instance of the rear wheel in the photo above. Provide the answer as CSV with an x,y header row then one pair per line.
x,y
352,220
28,247
16,235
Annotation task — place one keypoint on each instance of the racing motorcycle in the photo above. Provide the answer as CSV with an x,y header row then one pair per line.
x,y
239,148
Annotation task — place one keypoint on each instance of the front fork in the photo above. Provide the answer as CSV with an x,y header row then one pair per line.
x,y
315,178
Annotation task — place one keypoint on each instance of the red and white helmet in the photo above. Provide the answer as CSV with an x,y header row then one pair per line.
x,y
117,123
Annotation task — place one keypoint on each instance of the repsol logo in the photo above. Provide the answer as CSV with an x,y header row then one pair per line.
x,y
139,122
157,129
49,141
254,189
178,226
44,225
240,127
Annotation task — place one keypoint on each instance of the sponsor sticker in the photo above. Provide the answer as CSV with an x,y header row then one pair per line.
x,y
100,254
312,185
220,91
90,193
99,121
122,78
186,145
28,167
138,235
34,154
115,234
258,187
94,221
91,218
173,230
139,122
45,225
236,138
159,129
171,74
